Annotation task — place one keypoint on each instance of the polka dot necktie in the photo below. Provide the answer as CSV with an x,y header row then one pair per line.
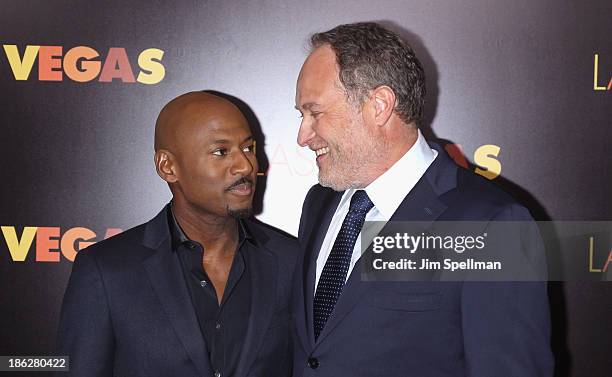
x,y
336,267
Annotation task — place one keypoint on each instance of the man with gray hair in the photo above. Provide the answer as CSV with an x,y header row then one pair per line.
x,y
361,93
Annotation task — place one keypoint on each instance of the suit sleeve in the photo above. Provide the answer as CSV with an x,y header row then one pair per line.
x,y
506,325
85,332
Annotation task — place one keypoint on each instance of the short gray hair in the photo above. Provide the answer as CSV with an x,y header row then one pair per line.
x,y
370,56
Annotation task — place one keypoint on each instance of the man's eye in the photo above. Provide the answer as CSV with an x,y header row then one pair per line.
x,y
315,115
220,152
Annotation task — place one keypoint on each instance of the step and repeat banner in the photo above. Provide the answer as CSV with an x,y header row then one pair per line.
x,y
518,91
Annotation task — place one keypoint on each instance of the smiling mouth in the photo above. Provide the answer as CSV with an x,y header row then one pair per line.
x,y
321,151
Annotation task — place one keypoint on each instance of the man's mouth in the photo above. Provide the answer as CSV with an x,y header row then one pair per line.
x,y
321,151
243,186
243,189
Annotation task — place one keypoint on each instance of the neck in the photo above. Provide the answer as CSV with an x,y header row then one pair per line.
x,y
217,234
398,142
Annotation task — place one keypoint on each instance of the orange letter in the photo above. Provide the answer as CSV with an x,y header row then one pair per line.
x,y
112,232
73,235
49,67
456,153
44,244
608,262
89,69
117,66
279,158
307,163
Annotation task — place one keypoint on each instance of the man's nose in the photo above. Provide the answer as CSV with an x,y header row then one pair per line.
x,y
305,134
242,165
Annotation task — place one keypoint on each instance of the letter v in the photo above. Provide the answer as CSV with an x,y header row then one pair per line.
x,y
19,249
21,67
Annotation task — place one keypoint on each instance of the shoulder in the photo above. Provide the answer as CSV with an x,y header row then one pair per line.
x,y
482,199
317,192
120,249
277,241
318,197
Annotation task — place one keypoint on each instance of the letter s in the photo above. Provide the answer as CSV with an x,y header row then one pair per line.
x,y
152,71
483,158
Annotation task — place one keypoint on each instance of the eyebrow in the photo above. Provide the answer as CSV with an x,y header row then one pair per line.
x,y
225,141
307,106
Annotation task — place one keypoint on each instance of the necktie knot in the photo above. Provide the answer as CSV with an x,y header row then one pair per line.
x,y
360,203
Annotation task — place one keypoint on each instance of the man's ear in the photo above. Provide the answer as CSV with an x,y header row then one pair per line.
x,y
165,165
383,102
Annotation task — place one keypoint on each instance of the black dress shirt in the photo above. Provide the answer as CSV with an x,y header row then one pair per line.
x,y
224,325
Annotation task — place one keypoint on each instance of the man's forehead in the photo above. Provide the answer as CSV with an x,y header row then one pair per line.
x,y
224,128
321,63
319,75
198,118
322,55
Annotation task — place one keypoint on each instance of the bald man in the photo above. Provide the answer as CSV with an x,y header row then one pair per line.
x,y
200,290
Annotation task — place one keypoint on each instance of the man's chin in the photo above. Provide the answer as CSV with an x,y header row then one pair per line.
x,y
240,213
336,184
331,183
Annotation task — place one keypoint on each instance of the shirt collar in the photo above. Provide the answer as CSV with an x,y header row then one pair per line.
x,y
389,190
179,237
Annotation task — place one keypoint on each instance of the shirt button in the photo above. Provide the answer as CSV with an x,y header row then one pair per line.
x,y
217,374
203,283
218,326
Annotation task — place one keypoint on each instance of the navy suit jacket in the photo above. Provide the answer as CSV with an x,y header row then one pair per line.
x,y
127,309
420,329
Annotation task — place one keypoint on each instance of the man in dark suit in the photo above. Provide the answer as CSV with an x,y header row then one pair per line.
x,y
200,290
361,94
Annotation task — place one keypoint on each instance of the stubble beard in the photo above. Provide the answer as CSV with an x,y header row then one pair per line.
x,y
348,166
240,213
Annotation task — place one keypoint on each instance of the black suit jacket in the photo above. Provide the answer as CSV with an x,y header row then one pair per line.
x,y
127,309
422,329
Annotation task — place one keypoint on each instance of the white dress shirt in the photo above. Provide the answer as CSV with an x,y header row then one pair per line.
x,y
386,192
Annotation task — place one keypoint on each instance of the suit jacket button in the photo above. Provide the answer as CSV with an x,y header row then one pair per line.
x,y
313,362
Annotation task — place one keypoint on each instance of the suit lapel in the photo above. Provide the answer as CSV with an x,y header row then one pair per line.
x,y
317,228
422,205
264,272
165,273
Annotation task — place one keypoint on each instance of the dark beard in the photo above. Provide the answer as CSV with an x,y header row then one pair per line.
x,y
242,213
